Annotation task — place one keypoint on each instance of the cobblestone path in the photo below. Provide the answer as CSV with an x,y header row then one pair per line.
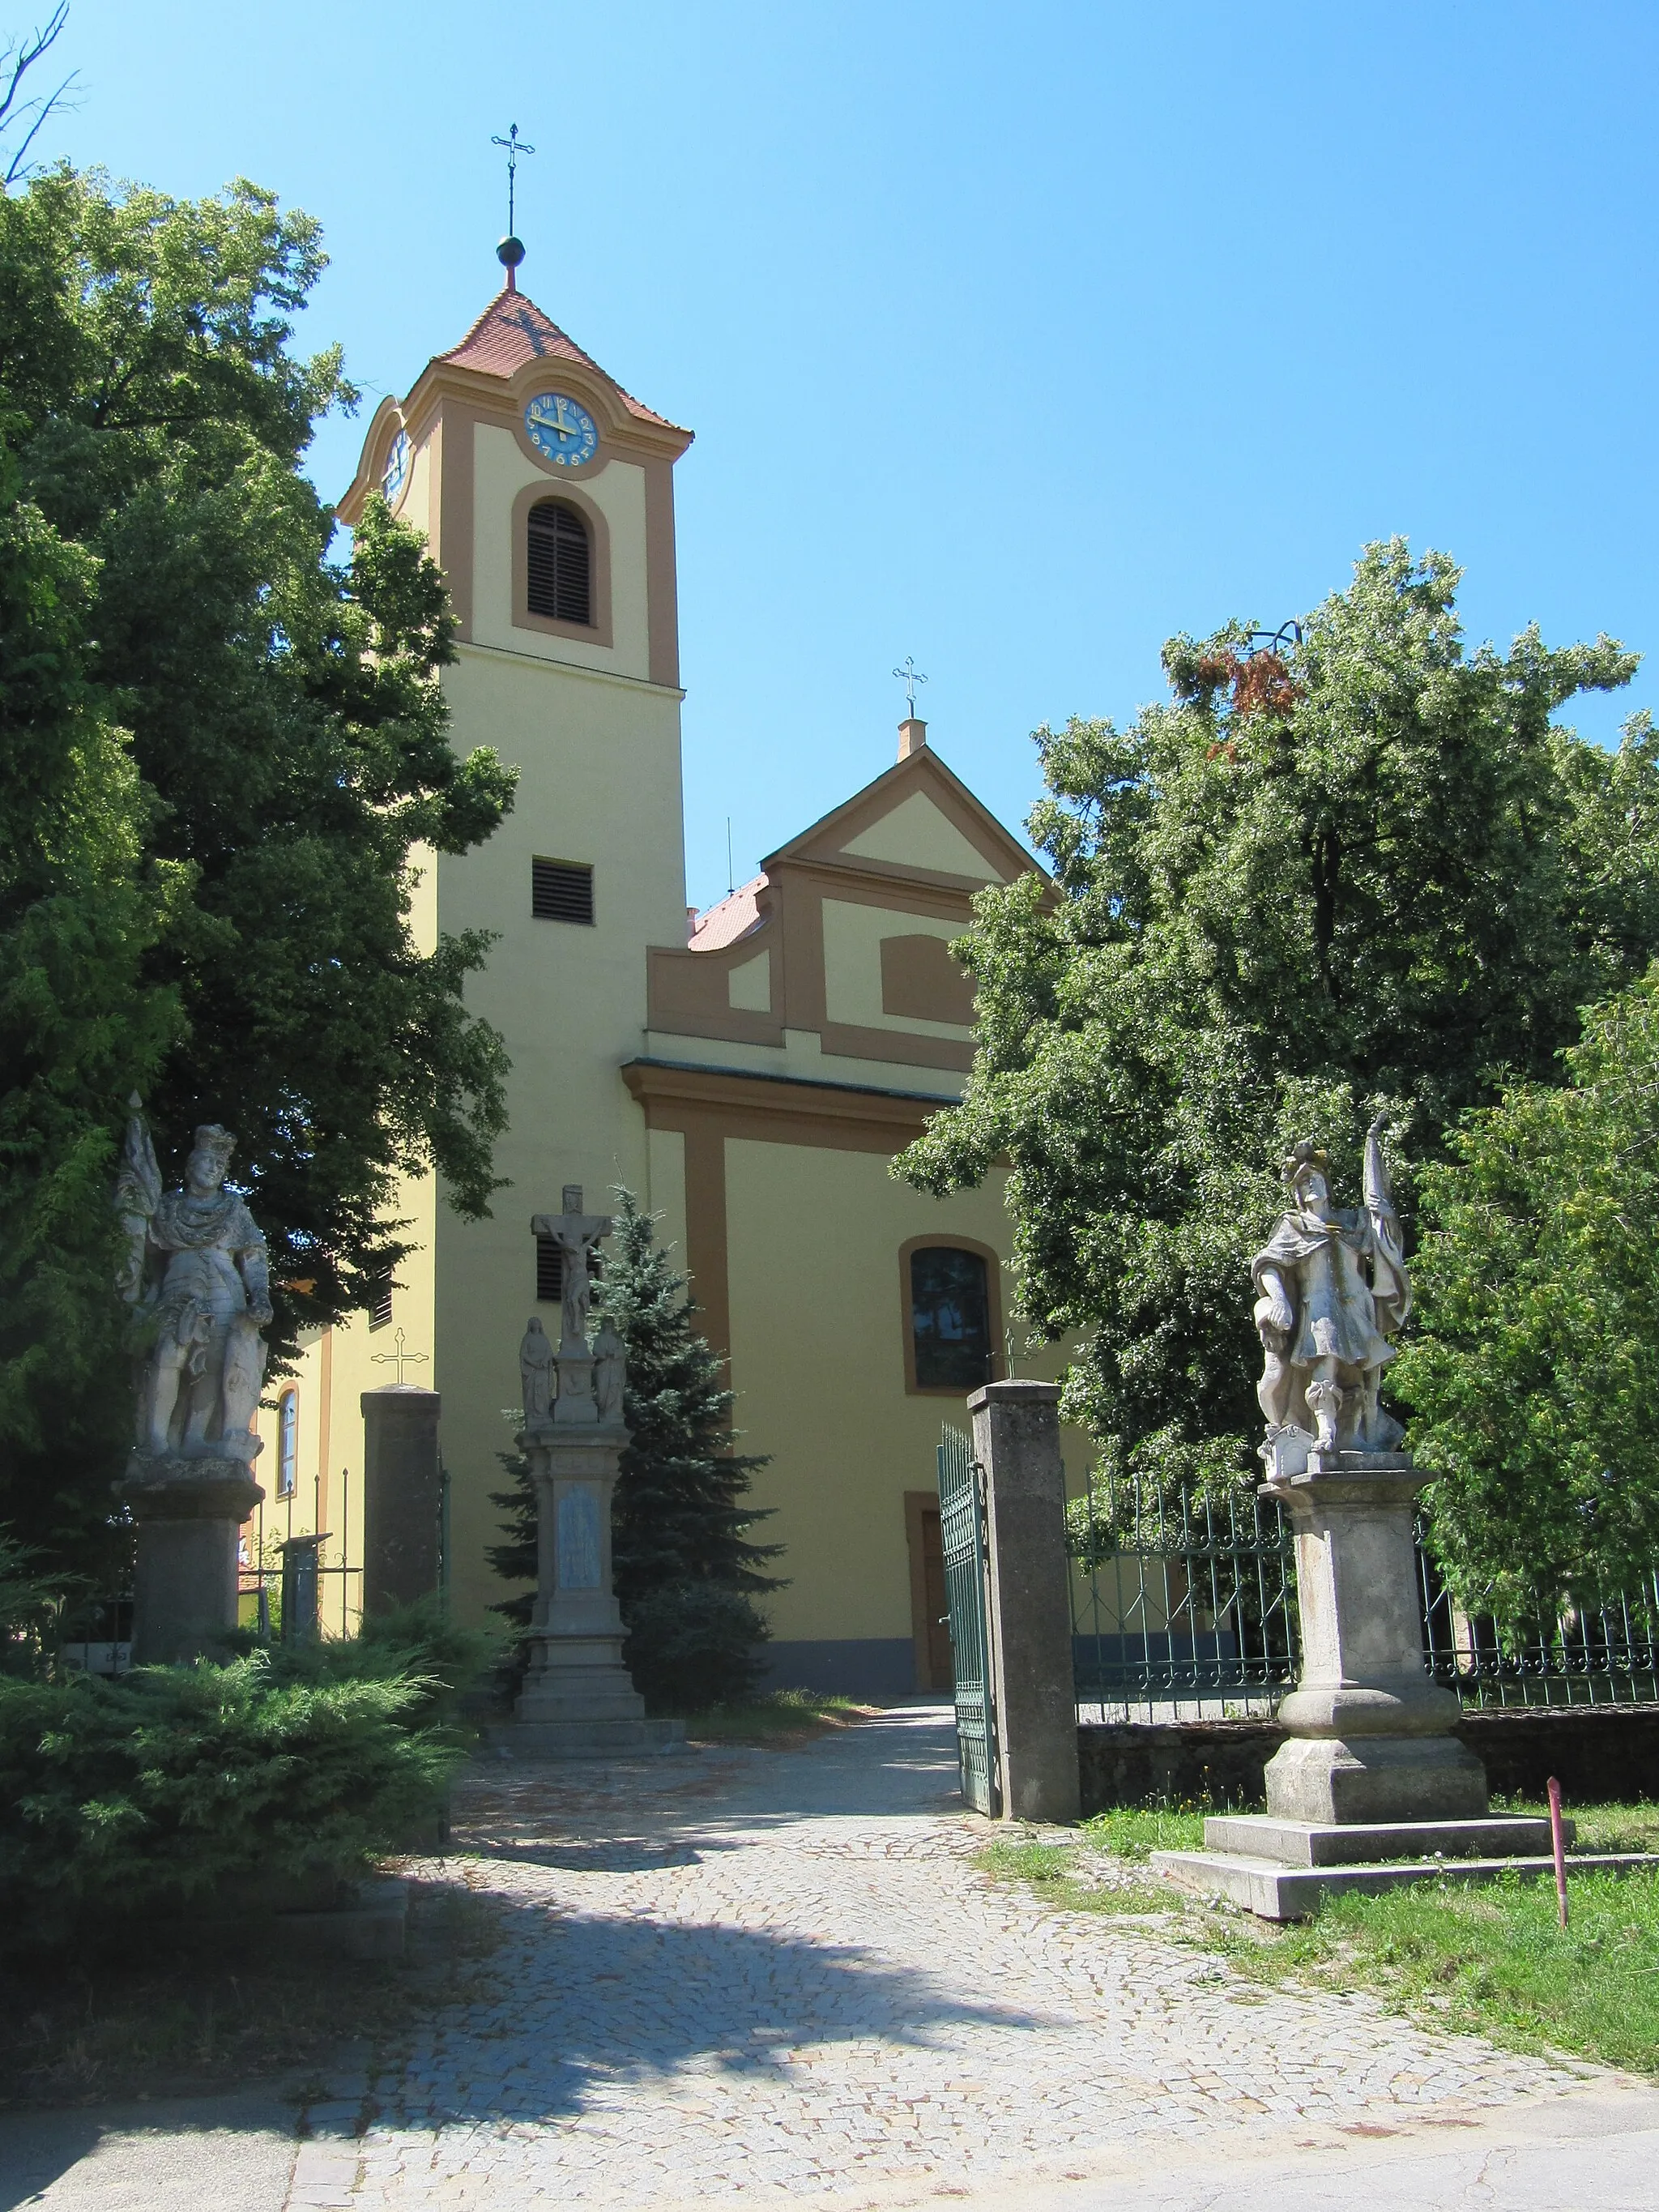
x,y
752,1976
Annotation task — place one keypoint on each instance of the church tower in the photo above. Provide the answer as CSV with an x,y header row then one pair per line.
x,y
545,493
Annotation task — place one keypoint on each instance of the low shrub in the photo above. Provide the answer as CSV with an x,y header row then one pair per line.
x,y
129,1798
692,1644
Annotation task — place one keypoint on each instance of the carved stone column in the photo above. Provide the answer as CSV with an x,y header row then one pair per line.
x,y
1370,1735
578,1699
190,1514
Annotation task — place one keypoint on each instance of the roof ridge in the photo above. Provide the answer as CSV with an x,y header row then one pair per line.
x,y
495,323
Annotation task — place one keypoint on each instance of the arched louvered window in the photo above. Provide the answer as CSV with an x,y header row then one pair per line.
x,y
561,563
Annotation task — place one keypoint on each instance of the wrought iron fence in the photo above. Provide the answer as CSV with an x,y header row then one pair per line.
x,y
1181,1607
1184,1607
1592,1648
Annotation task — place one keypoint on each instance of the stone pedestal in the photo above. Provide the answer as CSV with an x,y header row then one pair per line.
x,y
1016,1441
1372,1791
402,1496
189,1513
577,1700
1371,1734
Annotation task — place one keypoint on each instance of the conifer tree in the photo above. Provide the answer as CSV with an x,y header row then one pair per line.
x,y
687,1575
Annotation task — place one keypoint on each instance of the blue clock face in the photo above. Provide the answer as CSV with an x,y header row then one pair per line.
x,y
560,429
397,468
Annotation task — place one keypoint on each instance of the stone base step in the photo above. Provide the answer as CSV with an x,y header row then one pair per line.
x,y
1275,1891
1315,1843
590,1739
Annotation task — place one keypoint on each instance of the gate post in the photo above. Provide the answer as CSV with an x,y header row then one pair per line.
x,y
1016,1441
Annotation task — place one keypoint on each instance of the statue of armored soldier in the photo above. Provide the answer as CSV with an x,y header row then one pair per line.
x,y
1333,1291
198,1274
197,1278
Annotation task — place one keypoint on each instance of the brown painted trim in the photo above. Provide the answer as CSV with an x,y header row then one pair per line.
x,y
940,1240
688,993
909,1048
782,1109
919,981
917,1502
444,387
920,771
661,575
706,1245
451,548
324,1421
597,632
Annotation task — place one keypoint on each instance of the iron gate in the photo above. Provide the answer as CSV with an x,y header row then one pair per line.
x,y
962,1532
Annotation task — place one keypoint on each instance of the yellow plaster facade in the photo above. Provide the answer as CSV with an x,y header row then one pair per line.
x,y
750,1075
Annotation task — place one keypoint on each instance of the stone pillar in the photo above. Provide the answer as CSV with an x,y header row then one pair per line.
x,y
402,1495
1371,1734
190,1514
1016,1441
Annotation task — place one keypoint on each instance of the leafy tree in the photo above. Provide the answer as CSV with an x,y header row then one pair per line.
x,y
1364,871
687,1575
250,743
1534,1374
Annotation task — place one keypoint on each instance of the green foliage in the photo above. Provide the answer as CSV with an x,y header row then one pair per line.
x,y
226,748
1491,1961
124,1799
687,1575
1368,876
1533,1375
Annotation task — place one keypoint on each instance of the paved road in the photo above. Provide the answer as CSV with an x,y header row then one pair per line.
x,y
769,1978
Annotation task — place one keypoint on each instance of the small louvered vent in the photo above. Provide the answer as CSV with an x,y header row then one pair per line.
x,y
549,1272
562,891
561,566
379,1314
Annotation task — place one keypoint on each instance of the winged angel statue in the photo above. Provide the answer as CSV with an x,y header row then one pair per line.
x,y
1333,1290
198,1274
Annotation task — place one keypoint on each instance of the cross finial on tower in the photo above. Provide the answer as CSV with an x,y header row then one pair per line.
x,y
510,252
909,675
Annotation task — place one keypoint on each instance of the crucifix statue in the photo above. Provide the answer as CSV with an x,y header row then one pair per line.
x,y
577,1235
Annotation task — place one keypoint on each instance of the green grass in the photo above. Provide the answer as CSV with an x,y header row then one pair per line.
x,y
784,1717
1133,1832
1059,1875
1492,1960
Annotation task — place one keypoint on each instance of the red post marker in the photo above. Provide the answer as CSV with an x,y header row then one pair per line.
x,y
1558,1846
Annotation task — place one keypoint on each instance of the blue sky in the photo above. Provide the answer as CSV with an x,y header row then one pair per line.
x,y
1014,339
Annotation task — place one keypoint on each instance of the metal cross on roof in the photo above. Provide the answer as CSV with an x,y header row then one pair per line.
x,y
909,675
400,1358
515,146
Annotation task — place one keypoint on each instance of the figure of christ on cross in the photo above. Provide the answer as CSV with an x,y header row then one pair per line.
x,y
577,1235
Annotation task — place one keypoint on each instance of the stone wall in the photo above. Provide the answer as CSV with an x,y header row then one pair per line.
x,y
1599,1753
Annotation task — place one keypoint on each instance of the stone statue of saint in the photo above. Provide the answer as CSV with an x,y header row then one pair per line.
x,y
609,1372
1333,1290
198,1274
536,1374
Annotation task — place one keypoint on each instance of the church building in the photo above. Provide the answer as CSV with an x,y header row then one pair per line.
x,y
748,1071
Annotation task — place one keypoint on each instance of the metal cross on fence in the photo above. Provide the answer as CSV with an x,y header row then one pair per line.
x,y
515,146
398,1357
909,675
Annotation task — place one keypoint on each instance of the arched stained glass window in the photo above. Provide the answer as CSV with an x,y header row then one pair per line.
x,y
950,1318
288,1442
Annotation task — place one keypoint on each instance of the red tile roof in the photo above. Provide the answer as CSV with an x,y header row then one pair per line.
x,y
729,918
512,331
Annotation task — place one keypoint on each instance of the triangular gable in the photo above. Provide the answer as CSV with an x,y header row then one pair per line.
x,y
917,818
512,329
917,833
